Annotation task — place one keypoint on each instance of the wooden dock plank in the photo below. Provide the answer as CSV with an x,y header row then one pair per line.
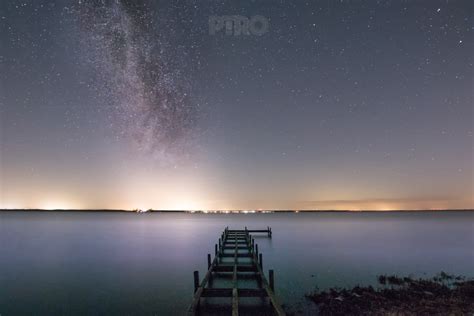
x,y
249,230
238,247
227,292
240,268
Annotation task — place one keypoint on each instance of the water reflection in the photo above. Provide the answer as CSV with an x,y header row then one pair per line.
x,y
97,263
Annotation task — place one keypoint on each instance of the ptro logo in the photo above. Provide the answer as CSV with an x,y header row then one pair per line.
x,y
238,25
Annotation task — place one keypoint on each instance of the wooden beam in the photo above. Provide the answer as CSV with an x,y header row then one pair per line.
x,y
239,255
235,302
232,247
195,303
230,268
197,295
249,230
235,294
239,242
227,292
273,300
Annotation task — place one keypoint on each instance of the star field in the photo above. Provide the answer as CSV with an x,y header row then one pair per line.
x,y
340,104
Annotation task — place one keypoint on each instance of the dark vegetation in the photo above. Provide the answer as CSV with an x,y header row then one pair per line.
x,y
442,295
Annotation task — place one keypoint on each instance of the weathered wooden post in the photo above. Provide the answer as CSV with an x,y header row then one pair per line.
x,y
256,251
208,261
253,244
215,249
196,281
260,260
272,281
220,245
270,235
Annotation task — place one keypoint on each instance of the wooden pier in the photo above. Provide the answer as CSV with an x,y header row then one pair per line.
x,y
245,263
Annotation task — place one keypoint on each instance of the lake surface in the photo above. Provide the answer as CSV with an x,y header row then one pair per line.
x,y
95,263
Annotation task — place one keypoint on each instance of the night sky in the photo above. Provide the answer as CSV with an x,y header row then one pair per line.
x,y
134,104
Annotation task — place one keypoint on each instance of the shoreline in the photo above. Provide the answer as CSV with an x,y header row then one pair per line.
x,y
443,294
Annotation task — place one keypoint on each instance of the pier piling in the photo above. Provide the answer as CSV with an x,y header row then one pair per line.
x,y
196,281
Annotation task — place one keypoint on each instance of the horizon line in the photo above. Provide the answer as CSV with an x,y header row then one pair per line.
x,y
219,211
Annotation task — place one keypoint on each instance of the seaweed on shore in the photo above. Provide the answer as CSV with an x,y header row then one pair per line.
x,y
443,294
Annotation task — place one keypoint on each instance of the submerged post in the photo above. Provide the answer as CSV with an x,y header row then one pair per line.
x,y
196,281
208,261
256,250
272,281
260,259
215,249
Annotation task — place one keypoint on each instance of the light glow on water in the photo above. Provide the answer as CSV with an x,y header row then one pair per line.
x,y
119,262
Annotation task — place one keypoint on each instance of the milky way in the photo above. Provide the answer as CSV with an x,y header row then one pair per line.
x,y
141,77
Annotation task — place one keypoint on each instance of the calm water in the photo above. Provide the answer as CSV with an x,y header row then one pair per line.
x,y
119,263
